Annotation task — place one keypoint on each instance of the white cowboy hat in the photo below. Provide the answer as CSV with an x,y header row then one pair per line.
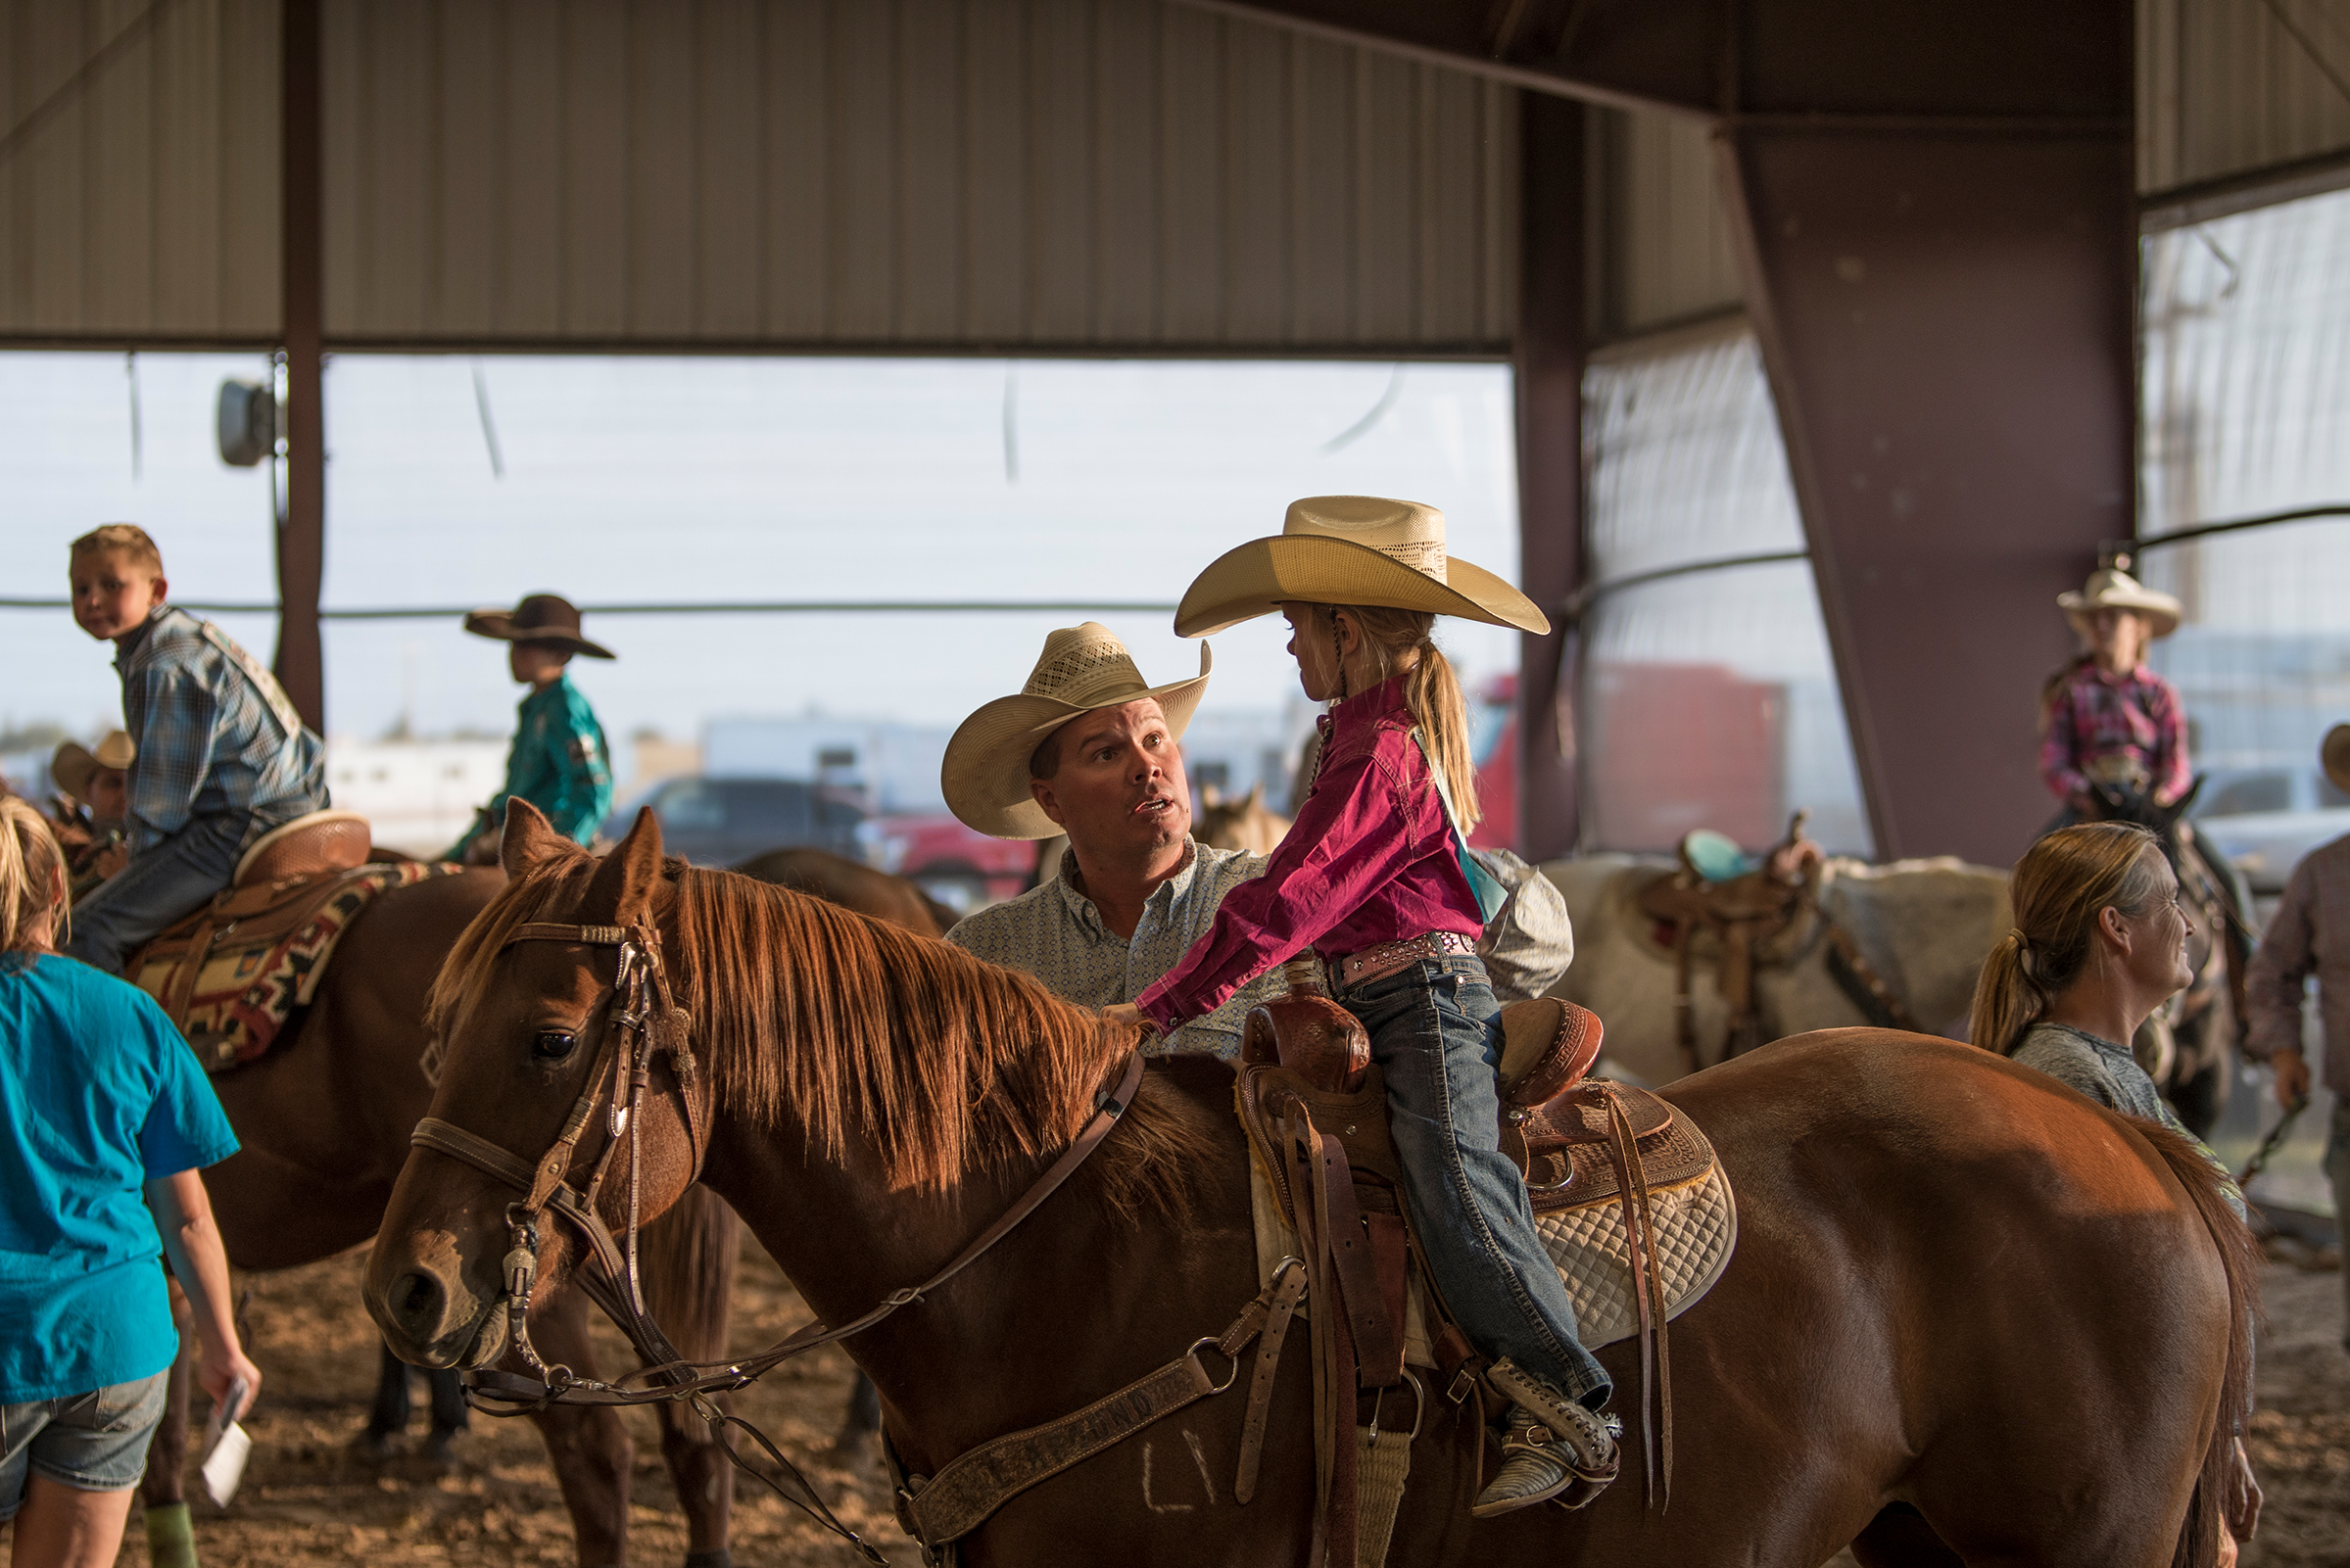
x,y
985,775
74,764
1351,549
2109,587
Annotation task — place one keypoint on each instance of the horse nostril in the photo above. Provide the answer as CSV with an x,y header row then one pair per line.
x,y
417,1302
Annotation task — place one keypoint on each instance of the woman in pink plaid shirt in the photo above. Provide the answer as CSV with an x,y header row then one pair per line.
x,y
2106,718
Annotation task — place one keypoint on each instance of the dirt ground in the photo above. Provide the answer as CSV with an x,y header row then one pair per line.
x,y
308,1498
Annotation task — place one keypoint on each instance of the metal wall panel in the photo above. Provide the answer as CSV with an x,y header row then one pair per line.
x,y
1661,235
140,205
2229,86
1070,175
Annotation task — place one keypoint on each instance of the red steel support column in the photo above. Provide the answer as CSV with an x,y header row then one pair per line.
x,y
302,538
1948,318
1549,461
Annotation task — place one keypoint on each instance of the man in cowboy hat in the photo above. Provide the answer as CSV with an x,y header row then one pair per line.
x,y
2310,935
1090,749
560,762
2107,719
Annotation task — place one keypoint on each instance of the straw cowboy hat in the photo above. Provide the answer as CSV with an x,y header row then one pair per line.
x,y
1351,549
985,775
538,618
2109,587
74,763
2333,755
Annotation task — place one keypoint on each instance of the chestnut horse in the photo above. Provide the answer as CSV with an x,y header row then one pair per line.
x,y
1972,1318
324,1122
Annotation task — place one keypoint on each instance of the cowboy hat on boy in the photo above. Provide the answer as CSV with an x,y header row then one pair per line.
x,y
538,618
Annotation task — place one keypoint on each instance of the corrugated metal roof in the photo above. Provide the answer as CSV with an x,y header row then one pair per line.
x,y
1662,251
922,173
143,202
2226,86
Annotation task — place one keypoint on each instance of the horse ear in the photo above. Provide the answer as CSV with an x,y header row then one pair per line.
x,y
1210,797
1255,796
527,839
625,880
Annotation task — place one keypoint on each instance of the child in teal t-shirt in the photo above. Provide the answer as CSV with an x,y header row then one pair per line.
x,y
560,762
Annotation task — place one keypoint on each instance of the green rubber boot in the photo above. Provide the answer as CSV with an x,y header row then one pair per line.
x,y
170,1540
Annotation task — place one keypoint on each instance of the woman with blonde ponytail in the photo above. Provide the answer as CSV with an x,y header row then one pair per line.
x,y
2099,942
104,1120
1376,875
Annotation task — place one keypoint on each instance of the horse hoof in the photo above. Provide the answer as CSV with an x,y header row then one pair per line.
x,y
439,1451
721,1558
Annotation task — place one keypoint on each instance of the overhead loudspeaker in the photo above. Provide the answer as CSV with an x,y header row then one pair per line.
x,y
247,423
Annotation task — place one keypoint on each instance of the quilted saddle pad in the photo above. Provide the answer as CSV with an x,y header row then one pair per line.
x,y
1697,1230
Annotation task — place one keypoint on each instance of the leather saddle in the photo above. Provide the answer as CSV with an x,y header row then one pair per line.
x,y
1315,1107
1739,913
229,974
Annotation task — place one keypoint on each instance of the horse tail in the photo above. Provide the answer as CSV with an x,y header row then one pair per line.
x,y
2207,1189
688,1256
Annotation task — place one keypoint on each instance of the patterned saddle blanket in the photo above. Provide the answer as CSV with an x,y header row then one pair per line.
x,y
233,972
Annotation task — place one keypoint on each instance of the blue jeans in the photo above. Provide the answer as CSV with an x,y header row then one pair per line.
x,y
2337,1171
1432,1033
160,886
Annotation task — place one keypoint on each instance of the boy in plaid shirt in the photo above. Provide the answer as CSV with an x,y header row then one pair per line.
x,y
223,758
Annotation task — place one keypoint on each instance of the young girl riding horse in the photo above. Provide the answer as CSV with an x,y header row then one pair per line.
x,y
1375,874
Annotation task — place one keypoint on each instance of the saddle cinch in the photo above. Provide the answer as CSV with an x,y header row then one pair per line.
x,y
231,974
1628,1199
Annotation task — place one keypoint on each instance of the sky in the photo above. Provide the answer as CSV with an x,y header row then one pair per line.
x,y
697,480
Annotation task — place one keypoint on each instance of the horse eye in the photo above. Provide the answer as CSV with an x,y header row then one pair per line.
x,y
552,1046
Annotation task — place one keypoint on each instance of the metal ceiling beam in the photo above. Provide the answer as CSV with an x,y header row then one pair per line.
x,y
1550,462
1861,64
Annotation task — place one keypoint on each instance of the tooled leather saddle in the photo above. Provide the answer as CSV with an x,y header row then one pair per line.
x,y
1315,1108
232,973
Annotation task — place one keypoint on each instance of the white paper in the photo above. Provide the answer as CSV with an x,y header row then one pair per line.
x,y
224,1466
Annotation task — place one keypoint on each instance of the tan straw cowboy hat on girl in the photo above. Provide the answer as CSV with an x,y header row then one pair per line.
x,y
2109,587
538,618
985,775
1351,549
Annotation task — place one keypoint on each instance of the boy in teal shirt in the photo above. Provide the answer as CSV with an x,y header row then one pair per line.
x,y
560,762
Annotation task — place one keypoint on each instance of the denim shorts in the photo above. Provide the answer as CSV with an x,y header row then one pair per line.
x,y
90,1441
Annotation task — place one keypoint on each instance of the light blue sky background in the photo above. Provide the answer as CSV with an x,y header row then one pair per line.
x,y
707,479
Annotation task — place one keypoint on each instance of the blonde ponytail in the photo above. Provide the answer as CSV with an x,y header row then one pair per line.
x,y
2057,891
31,868
2007,998
1431,691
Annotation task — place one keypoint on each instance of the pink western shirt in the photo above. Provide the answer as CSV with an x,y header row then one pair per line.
x,y
1369,860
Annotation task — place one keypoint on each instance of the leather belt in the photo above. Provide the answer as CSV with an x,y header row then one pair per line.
x,y
1378,963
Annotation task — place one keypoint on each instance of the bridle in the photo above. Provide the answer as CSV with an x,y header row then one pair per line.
x,y
641,1023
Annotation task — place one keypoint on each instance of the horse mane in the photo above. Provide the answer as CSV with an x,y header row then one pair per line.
x,y
942,1065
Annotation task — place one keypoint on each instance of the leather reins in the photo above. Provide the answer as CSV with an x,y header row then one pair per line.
x,y
639,1000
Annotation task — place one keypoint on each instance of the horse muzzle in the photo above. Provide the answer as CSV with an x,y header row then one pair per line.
x,y
430,1319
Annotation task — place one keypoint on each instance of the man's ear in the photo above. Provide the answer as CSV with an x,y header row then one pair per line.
x,y
1041,790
